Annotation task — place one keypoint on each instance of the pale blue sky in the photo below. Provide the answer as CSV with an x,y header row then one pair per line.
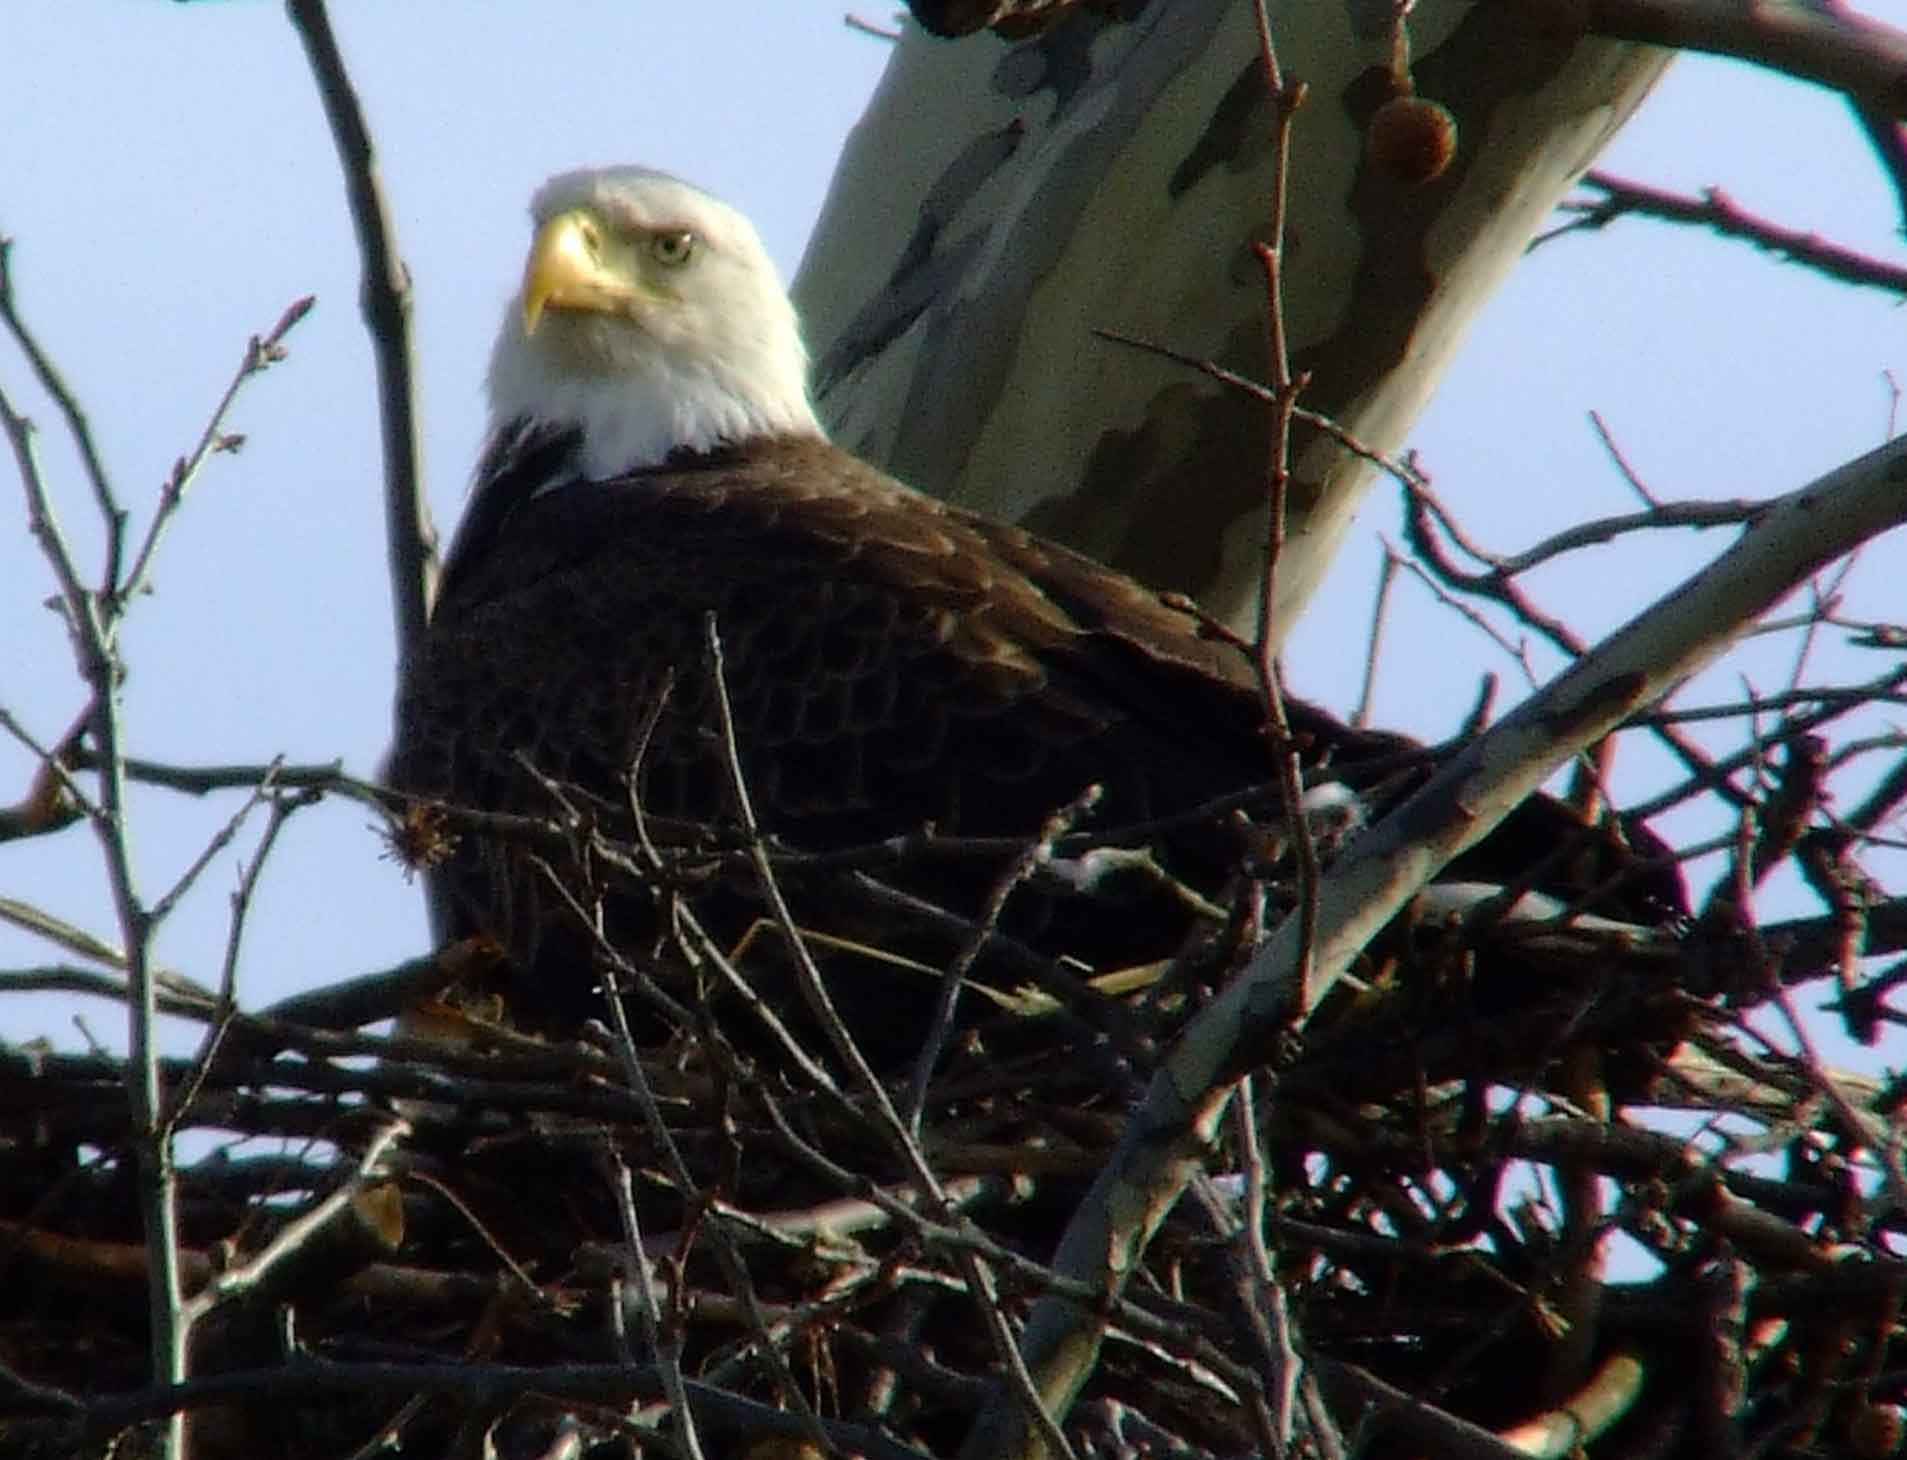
x,y
166,175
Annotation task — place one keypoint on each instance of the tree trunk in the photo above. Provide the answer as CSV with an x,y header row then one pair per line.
x,y
1002,200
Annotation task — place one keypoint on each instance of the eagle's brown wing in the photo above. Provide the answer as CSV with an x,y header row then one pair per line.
x,y
892,663
885,654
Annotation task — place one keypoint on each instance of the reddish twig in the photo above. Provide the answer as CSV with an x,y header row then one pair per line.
x,y
1715,209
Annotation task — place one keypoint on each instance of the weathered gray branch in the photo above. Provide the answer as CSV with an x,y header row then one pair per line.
x,y
1169,1139
386,301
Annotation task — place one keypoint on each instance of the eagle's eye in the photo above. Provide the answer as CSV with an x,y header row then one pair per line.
x,y
673,249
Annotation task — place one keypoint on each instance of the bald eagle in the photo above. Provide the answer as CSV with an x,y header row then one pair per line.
x,y
893,663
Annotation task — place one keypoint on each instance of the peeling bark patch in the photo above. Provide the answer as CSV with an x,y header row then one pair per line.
x,y
1235,135
1020,72
1488,60
957,382
1190,467
890,312
1059,61
957,296
920,276
1013,19
1194,466
1611,700
958,182
1421,820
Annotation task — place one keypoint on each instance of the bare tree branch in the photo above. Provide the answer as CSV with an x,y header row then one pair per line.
x,y
1028,1403
1888,137
1168,1140
1831,44
91,617
1623,198
261,353
386,301
78,426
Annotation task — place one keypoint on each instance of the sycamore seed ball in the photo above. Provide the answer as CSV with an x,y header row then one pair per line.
x,y
1411,140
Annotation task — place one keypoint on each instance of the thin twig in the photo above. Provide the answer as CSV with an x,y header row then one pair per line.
x,y
202,780
868,28
1862,1128
89,616
1621,460
1036,852
53,382
225,1005
54,780
261,353
234,1282
662,1340
1286,97
1027,1399
1606,529
176,996
1885,690
1517,652
1717,776
1416,489
1373,641
1422,505
215,844
94,616
385,298
1716,210
698,944
1262,1296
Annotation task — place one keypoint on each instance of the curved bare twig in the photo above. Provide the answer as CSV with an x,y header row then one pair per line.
x,y
386,301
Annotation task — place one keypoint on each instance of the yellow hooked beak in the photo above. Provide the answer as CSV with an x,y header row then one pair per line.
x,y
572,266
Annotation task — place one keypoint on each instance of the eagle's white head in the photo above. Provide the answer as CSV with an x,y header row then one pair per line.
x,y
651,318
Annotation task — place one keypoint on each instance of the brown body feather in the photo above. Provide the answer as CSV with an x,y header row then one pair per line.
x,y
893,663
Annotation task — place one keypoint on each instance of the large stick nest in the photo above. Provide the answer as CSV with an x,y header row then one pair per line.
x,y
1530,1179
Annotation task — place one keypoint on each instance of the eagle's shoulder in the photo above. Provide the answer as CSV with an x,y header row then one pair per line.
x,y
781,527
752,506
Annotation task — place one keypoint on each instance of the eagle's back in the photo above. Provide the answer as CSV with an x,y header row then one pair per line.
x,y
892,664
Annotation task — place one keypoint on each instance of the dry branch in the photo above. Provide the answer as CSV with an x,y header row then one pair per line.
x,y
386,301
1832,45
1172,1136
1714,209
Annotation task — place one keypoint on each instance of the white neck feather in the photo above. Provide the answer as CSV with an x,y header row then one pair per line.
x,y
634,420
